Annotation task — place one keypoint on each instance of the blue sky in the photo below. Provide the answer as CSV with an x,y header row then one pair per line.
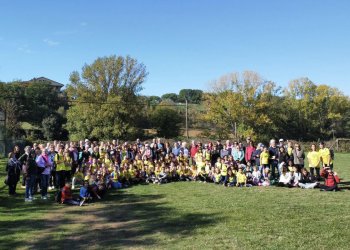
x,y
183,43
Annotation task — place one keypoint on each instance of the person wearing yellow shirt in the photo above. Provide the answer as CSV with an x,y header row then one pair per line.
x,y
68,164
188,173
264,158
314,159
202,175
217,176
230,178
60,168
223,172
325,156
241,178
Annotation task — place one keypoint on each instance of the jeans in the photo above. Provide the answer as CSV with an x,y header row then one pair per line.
x,y
307,185
44,180
30,182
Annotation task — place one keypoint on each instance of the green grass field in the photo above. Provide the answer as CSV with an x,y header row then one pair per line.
x,y
184,216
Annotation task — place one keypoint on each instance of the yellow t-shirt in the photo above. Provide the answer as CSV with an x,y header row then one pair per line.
x,y
68,163
223,170
325,156
264,158
314,159
241,177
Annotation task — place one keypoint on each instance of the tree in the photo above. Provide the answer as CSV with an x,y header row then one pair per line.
x,y
167,122
52,127
170,96
240,101
192,95
105,101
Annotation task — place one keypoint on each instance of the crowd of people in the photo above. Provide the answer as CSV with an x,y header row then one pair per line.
x,y
96,167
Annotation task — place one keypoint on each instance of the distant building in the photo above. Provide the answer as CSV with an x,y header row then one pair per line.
x,y
54,84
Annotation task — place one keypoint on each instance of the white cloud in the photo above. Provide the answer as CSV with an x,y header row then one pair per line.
x,y
51,42
25,49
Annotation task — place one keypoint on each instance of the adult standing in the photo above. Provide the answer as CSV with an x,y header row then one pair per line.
x,y
325,156
313,158
249,149
13,169
60,168
44,168
298,156
273,152
30,175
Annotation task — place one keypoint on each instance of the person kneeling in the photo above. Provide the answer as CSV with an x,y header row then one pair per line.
x,y
307,180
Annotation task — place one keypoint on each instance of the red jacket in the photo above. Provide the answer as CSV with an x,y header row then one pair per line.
x,y
194,150
248,152
66,194
330,180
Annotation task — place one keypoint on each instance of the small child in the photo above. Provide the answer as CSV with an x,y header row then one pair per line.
x,y
84,193
230,180
256,176
266,177
67,197
217,176
241,178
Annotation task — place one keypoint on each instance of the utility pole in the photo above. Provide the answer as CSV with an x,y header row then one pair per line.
x,y
187,119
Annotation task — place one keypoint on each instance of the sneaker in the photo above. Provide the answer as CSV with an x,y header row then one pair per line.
x,y
28,200
32,198
50,188
43,197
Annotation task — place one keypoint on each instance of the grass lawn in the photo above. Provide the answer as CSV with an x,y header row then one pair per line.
x,y
184,215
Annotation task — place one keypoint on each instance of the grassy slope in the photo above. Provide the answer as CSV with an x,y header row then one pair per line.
x,y
184,215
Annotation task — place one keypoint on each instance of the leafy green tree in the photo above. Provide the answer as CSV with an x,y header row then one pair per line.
x,y
52,127
104,98
192,95
167,122
170,96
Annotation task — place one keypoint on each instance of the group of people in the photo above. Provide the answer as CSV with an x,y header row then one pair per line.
x,y
99,166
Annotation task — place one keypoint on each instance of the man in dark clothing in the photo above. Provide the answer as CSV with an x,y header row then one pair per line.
x,y
30,176
13,169
273,152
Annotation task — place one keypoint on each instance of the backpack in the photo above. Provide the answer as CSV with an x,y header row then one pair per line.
x,y
58,196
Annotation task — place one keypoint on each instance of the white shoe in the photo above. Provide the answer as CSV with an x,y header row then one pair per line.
x,y
43,197
50,188
28,200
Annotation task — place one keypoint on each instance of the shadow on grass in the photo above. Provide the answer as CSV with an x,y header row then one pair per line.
x,y
122,220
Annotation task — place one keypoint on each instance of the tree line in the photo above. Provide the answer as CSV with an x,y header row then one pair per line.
x,y
103,101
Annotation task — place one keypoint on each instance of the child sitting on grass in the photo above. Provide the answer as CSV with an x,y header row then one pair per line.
x,y
67,197
230,180
84,193
241,178
256,176
331,180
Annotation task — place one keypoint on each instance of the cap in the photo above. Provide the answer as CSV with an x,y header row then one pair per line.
x,y
281,140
